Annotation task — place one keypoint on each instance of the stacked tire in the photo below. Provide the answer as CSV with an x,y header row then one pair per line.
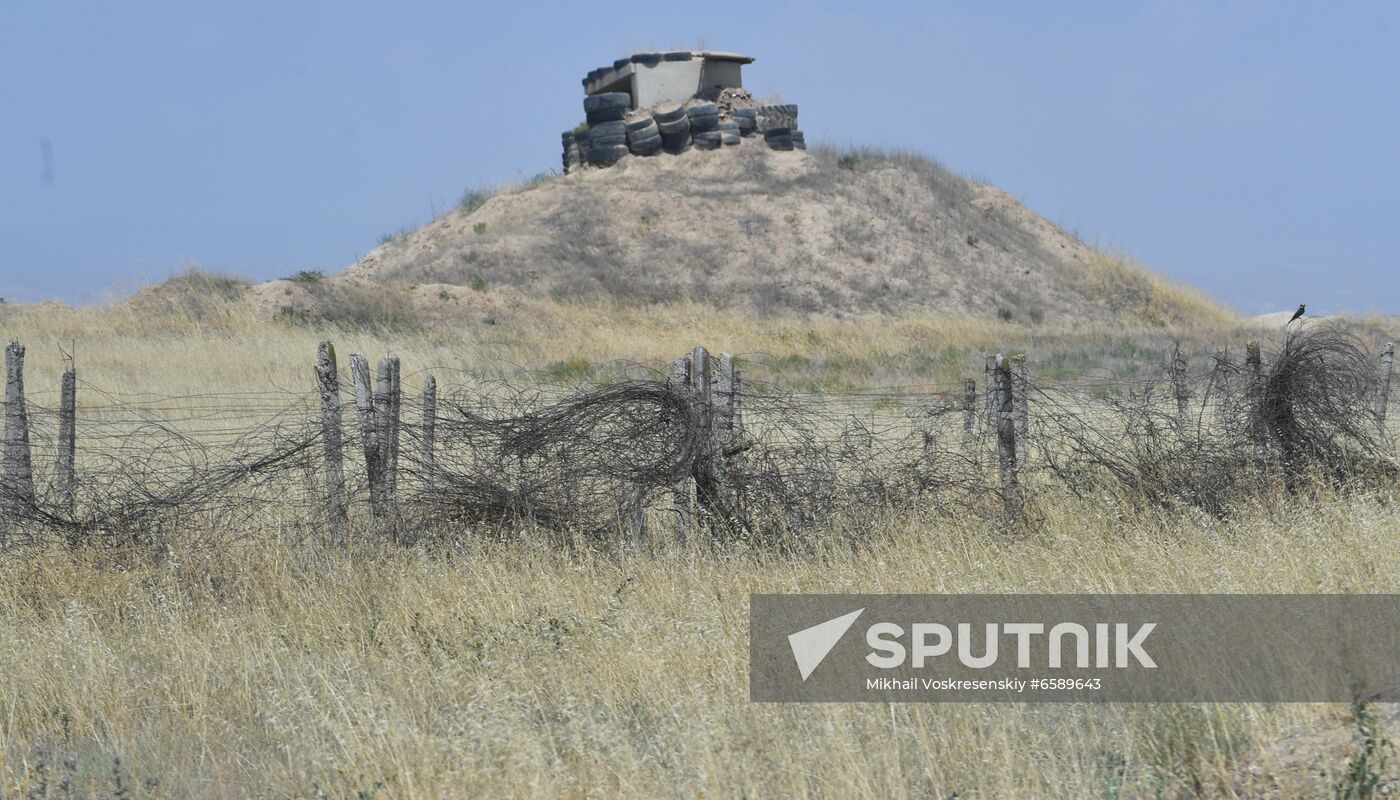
x,y
746,118
643,136
704,125
673,124
606,107
573,156
728,132
607,142
779,138
799,140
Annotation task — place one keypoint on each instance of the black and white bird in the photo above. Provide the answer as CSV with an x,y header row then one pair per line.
x,y
1302,307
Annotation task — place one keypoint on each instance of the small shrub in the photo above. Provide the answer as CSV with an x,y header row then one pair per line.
x,y
445,295
293,316
472,199
480,228
1037,316
848,161
1004,314
310,277
868,257
385,238
477,283
1367,767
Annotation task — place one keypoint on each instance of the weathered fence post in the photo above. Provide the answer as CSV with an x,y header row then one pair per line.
x,y
428,460
989,381
369,433
1224,400
702,388
389,371
65,462
1178,370
1021,406
332,455
1254,377
970,420
1006,436
17,476
1383,384
683,492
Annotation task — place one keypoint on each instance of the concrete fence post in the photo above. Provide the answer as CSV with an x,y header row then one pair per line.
x,y
683,491
65,462
1383,382
17,475
332,442
1006,436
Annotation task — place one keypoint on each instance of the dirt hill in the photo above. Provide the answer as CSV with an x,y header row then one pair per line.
x,y
749,228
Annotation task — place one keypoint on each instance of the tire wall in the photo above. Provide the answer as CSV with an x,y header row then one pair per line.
x,y
611,135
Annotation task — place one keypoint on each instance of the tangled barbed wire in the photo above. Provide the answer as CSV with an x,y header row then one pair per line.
x,y
601,461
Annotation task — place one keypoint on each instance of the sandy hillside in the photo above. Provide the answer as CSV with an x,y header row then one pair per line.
x,y
758,230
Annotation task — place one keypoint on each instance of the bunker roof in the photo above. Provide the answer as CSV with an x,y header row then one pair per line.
x,y
623,67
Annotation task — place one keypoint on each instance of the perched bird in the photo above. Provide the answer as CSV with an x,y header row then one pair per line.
x,y
1296,314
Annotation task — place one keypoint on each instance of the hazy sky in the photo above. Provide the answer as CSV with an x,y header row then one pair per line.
x,y
1250,148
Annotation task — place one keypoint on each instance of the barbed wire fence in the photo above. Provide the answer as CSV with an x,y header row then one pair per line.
x,y
692,451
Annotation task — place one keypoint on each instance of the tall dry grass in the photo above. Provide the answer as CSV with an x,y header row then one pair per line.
x,y
517,669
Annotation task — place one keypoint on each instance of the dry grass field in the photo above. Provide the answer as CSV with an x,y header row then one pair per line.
x,y
516,667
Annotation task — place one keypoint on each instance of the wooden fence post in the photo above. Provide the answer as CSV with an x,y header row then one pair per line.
x,y
17,476
65,463
702,388
428,460
989,381
970,420
395,423
332,453
387,429
683,492
369,433
1224,408
1021,406
1383,385
1178,370
1254,387
1006,436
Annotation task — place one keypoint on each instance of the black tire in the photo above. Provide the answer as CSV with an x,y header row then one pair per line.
x,y
674,127
747,125
706,140
645,133
727,125
799,141
606,115
703,123
647,58
780,142
649,146
606,155
670,114
621,62
675,146
676,55
608,134
640,123
703,110
729,138
598,102
773,133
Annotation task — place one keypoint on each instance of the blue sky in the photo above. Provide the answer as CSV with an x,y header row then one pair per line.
x,y
1248,148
